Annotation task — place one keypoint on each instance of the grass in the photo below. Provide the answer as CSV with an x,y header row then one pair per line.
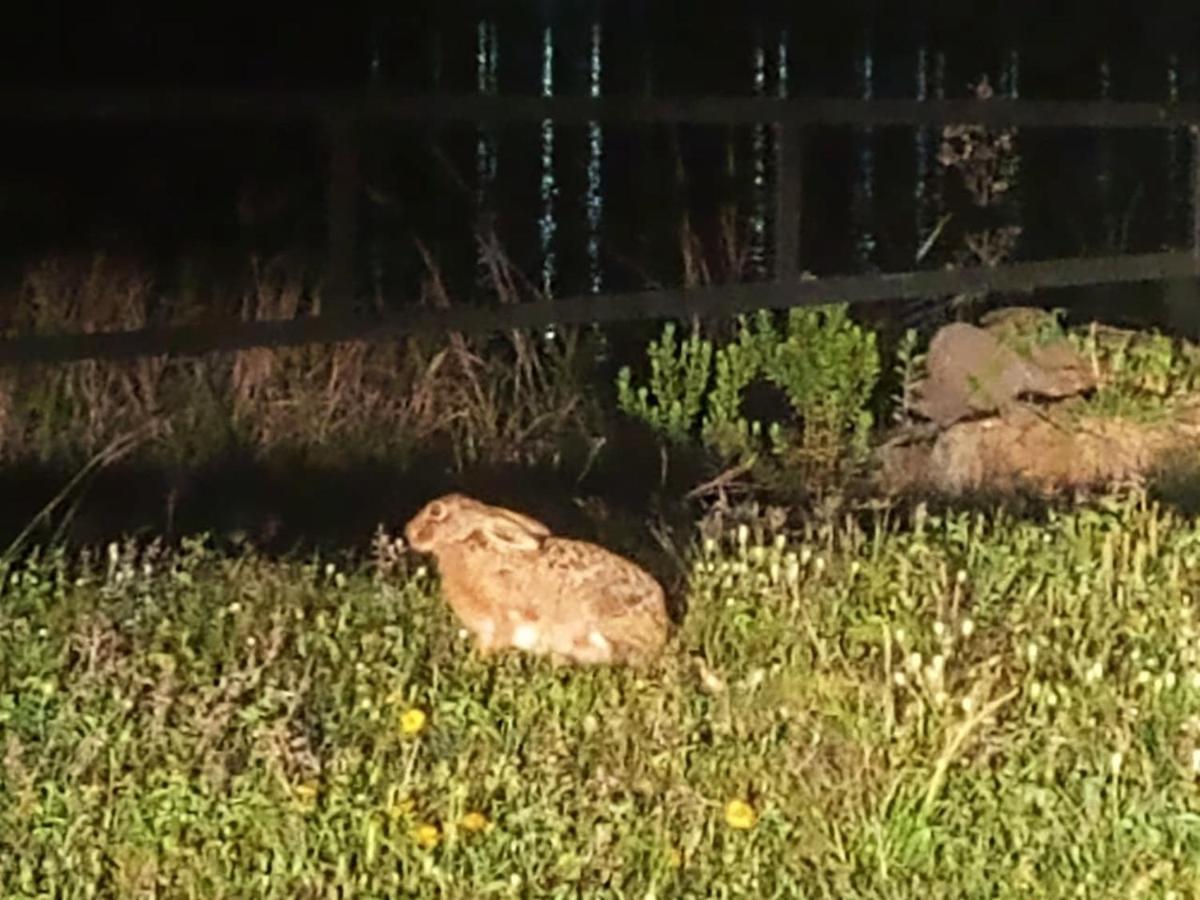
x,y
918,706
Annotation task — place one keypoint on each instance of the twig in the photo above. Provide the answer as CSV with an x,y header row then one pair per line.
x,y
722,480
117,448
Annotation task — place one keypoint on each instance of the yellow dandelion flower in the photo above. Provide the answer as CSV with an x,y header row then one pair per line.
x,y
305,795
412,722
740,814
674,857
427,835
401,807
474,822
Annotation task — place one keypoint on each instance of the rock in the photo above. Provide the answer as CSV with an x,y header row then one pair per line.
x,y
975,371
1028,450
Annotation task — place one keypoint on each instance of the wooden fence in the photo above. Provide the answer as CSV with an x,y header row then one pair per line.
x,y
343,116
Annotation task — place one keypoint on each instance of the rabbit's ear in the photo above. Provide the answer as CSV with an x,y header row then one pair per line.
x,y
533,526
503,534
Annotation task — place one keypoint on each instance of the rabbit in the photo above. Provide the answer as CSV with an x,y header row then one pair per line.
x,y
512,583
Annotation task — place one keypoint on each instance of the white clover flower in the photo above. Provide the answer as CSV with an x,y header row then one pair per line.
x,y
967,628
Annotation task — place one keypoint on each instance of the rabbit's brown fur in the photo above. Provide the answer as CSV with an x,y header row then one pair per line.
x,y
514,584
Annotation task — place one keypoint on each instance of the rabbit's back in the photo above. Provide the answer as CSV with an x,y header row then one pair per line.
x,y
598,606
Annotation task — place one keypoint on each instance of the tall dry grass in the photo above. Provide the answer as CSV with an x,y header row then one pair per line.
x,y
478,401
78,408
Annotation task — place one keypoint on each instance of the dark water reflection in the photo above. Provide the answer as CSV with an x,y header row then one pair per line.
x,y
588,208
584,209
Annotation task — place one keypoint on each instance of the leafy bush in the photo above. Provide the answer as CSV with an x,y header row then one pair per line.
x,y
824,364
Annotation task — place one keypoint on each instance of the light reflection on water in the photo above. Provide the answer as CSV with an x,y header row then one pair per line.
x,y
1176,153
758,219
862,202
925,195
1010,88
568,248
594,201
487,55
548,223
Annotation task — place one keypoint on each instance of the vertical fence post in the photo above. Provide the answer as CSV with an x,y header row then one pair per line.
x,y
342,207
789,149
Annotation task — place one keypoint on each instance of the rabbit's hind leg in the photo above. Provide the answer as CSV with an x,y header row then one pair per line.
x,y
591,648
487,641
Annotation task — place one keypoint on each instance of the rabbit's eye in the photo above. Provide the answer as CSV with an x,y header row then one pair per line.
x,y
437,512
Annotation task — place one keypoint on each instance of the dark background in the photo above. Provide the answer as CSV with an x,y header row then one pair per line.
x,y
206,196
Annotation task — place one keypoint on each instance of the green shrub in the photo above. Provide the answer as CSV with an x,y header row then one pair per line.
x,y
824,364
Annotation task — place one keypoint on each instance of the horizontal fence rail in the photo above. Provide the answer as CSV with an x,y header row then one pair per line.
x,y
340,112
472,108
722,300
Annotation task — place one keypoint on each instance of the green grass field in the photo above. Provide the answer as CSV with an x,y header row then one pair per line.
x,y
919,707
